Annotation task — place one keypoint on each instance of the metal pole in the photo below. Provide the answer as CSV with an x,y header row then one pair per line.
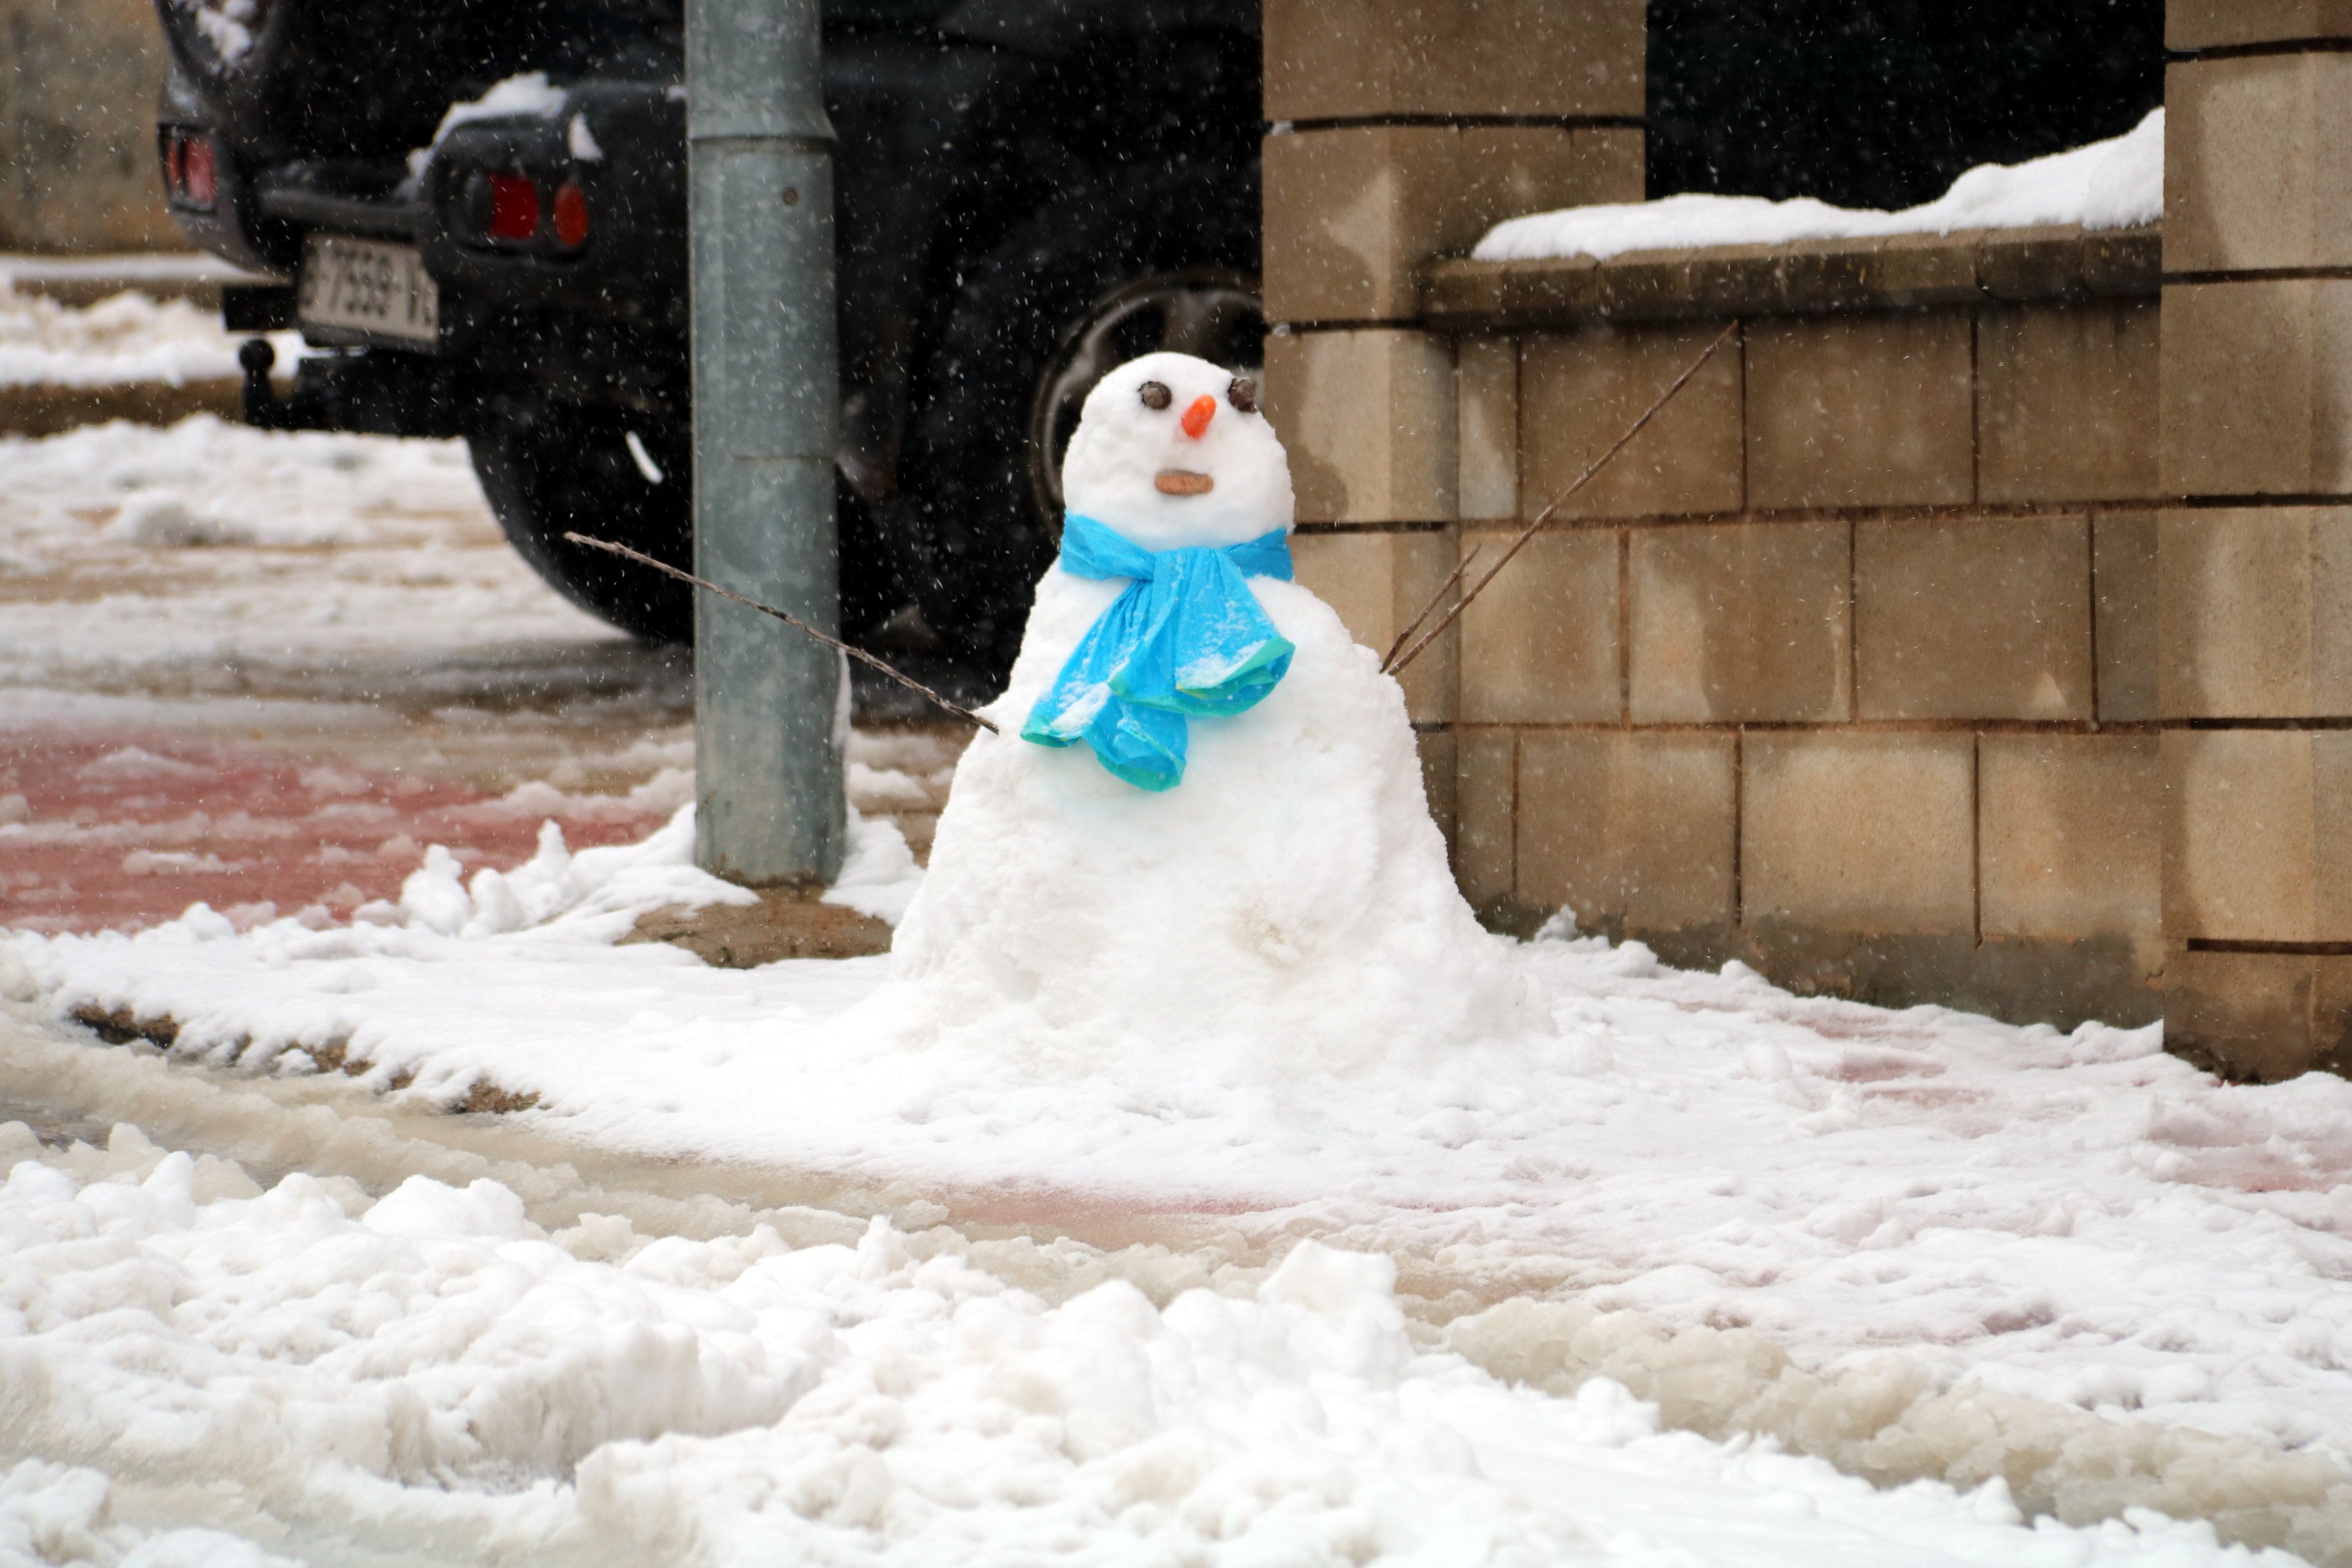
x,y
766,414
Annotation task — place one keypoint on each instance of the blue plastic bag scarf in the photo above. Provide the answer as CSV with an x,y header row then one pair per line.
x,y
1186,640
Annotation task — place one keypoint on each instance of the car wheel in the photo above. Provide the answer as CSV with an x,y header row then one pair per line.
x,y
1209,314
551,469
1145,258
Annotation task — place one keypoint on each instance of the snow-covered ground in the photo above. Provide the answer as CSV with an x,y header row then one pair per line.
x,y
128,337
1702,1222
191,558
213,1372
294,650
2117,184
334,629
1907,1223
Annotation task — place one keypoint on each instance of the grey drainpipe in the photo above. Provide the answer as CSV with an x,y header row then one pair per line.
x,y
768,742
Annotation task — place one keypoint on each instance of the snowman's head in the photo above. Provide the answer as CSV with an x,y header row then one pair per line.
x,y
1173,452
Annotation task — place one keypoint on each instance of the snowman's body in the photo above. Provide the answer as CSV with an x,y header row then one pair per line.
x,y
1287,904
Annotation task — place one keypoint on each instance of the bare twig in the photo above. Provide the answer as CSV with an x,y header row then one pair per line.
x,y
1394,663
1430,609
858,654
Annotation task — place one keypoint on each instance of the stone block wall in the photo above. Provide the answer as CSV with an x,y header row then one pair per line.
x,y
78,86
1847,667
2254,550
1403,130
1976,627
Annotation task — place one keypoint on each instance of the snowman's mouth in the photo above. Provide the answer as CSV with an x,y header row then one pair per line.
x,y
1182,482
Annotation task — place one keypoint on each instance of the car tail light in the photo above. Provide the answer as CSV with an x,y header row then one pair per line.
x,y
190,170
514,207
570,212
196,170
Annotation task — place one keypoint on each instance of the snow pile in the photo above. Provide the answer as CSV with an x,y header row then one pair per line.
x,y
2079,1221
62,1514
432,1373
1883,1417
2117,184
604,889
528,94
597,895
226,25
1287,908
128,337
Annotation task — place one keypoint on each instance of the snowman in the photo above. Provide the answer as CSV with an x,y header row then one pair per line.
x,y
1199,842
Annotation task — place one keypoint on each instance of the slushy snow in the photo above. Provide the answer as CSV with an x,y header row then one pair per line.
x,y
1287,908
431,1372
2117,184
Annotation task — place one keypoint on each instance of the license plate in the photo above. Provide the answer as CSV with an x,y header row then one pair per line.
x,y
367,287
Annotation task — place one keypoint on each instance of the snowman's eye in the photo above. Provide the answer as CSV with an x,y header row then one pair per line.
x,y
1155,394
1243,394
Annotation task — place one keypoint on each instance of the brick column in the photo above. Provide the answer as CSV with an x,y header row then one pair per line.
x,y
2254,560
1403,130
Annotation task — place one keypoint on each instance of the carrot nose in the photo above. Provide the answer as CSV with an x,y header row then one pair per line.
x,y
1197,418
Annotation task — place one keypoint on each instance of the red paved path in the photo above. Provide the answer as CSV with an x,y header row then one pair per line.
x,y
120,830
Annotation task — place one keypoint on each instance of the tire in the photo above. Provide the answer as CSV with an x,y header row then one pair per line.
x,y
974,529
548,468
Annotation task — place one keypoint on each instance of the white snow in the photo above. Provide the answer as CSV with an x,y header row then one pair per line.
x,y
2079,1226
226,25
187,554
127,338
65,1513
527,93
431,1370
2117,184
581,144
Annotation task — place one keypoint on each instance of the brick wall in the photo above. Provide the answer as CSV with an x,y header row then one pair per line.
x,y
1976,628
1846,667
78,86
1403,129
2254,656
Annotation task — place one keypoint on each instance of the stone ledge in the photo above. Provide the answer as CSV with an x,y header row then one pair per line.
x,y
2190,25
1802,278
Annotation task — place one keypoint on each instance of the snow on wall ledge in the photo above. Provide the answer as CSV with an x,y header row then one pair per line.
x,y
2117,184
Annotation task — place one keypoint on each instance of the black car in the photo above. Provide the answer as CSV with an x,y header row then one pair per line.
x,y
1030,191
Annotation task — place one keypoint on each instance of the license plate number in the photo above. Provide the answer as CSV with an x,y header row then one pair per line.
x,y
363,286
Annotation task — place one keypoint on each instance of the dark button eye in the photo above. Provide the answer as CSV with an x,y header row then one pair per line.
x,y
1243,394
1155,394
